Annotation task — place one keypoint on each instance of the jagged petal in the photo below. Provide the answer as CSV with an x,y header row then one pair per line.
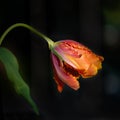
x,y
79,57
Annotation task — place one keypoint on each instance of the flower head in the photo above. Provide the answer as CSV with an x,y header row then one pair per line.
x,y
71,60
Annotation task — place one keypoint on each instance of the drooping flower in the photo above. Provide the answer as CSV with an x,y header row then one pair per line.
x,y
70,61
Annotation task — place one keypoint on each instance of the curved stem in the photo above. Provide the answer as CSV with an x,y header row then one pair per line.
x,y
48,40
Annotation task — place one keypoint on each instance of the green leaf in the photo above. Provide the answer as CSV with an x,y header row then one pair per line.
x,y
12,70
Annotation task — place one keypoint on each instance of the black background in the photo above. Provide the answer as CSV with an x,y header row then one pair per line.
x,y
81,20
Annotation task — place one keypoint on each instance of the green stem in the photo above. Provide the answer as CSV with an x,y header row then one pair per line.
x,y
48,40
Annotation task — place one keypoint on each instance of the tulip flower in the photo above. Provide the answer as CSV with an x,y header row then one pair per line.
x,y
72,60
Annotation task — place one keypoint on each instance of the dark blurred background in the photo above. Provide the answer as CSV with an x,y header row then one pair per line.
x,y
96,24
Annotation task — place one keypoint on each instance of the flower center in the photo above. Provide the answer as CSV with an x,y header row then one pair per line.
x,y
70,70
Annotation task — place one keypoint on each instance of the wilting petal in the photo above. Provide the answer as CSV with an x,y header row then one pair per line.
x,y
62,75
59,83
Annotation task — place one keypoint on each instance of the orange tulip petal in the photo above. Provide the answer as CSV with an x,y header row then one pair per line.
x,y
79,57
